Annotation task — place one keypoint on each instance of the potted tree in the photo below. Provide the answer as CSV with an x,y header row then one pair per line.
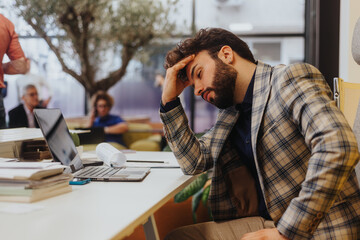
x,y
82,33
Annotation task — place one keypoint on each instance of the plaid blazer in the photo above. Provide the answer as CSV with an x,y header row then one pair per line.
x,y
304,151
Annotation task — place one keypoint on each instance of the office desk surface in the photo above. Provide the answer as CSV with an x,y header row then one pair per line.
x,y
99,210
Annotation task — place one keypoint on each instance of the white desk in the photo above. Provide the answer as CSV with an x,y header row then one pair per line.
x,y
99,210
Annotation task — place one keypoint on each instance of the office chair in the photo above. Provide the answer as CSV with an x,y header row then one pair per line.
x,y
347,95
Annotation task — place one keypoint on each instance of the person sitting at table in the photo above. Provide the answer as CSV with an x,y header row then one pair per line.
x,y
114,126
22,115
44,91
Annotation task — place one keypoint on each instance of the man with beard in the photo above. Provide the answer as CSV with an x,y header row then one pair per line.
x,y
282,153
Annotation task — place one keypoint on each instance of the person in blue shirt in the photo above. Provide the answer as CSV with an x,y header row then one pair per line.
x,y
114,126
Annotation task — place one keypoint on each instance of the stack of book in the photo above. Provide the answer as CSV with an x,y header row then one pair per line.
x,y
32,181
34,150
11,140
7,150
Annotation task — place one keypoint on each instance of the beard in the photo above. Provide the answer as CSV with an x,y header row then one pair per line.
x,y
223,85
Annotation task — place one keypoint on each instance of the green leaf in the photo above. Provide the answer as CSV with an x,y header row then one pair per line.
x,y
75,139
191,189
195,203
210,213
204,199
205,195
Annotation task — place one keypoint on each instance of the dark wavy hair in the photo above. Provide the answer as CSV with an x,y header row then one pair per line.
x,y
211,40
104,96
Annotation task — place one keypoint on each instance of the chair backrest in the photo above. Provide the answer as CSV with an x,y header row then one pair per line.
x,y
136,132
347,96
356,130
355,49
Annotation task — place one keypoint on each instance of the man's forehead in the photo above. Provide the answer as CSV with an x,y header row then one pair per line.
x,y
32,89
190,67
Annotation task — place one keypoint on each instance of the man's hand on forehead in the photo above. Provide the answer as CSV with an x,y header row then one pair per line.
x,y
173,87
182,75
181,67
183,62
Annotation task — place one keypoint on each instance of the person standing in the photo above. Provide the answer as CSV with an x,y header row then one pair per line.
x,y
9,45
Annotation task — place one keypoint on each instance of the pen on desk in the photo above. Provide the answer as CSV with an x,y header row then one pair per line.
x,y
144,161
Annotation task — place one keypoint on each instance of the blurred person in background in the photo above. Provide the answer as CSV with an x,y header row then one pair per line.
x,y
44,90
114,126
159,80
23,115
9,45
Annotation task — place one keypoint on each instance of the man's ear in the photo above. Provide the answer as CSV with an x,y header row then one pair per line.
x,y
226,54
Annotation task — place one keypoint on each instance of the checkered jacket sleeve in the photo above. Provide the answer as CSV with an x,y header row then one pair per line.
x,y
194,156
306,99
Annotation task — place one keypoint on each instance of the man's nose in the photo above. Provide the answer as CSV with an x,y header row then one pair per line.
x,y
198,88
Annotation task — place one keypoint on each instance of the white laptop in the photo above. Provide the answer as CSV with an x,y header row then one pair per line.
x,y
62,148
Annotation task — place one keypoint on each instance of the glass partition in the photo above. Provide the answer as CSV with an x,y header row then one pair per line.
x,y
274,30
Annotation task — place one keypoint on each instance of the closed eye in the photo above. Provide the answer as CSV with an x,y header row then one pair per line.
x,y
199,74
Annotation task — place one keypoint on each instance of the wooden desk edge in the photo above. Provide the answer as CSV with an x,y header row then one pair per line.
x,y
145,216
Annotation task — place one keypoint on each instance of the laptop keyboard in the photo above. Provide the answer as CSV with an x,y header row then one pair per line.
x,y
92,172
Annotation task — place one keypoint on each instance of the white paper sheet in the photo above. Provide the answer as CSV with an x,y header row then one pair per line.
x,y
151,159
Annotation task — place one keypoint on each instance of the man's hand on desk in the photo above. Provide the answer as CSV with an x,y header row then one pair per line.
x,y
264,234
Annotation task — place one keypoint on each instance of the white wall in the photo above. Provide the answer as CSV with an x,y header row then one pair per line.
x,y
349,13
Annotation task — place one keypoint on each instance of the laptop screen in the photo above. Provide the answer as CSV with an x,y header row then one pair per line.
x,y
58,138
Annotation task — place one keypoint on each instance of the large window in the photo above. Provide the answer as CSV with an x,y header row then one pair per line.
x,y
274,31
